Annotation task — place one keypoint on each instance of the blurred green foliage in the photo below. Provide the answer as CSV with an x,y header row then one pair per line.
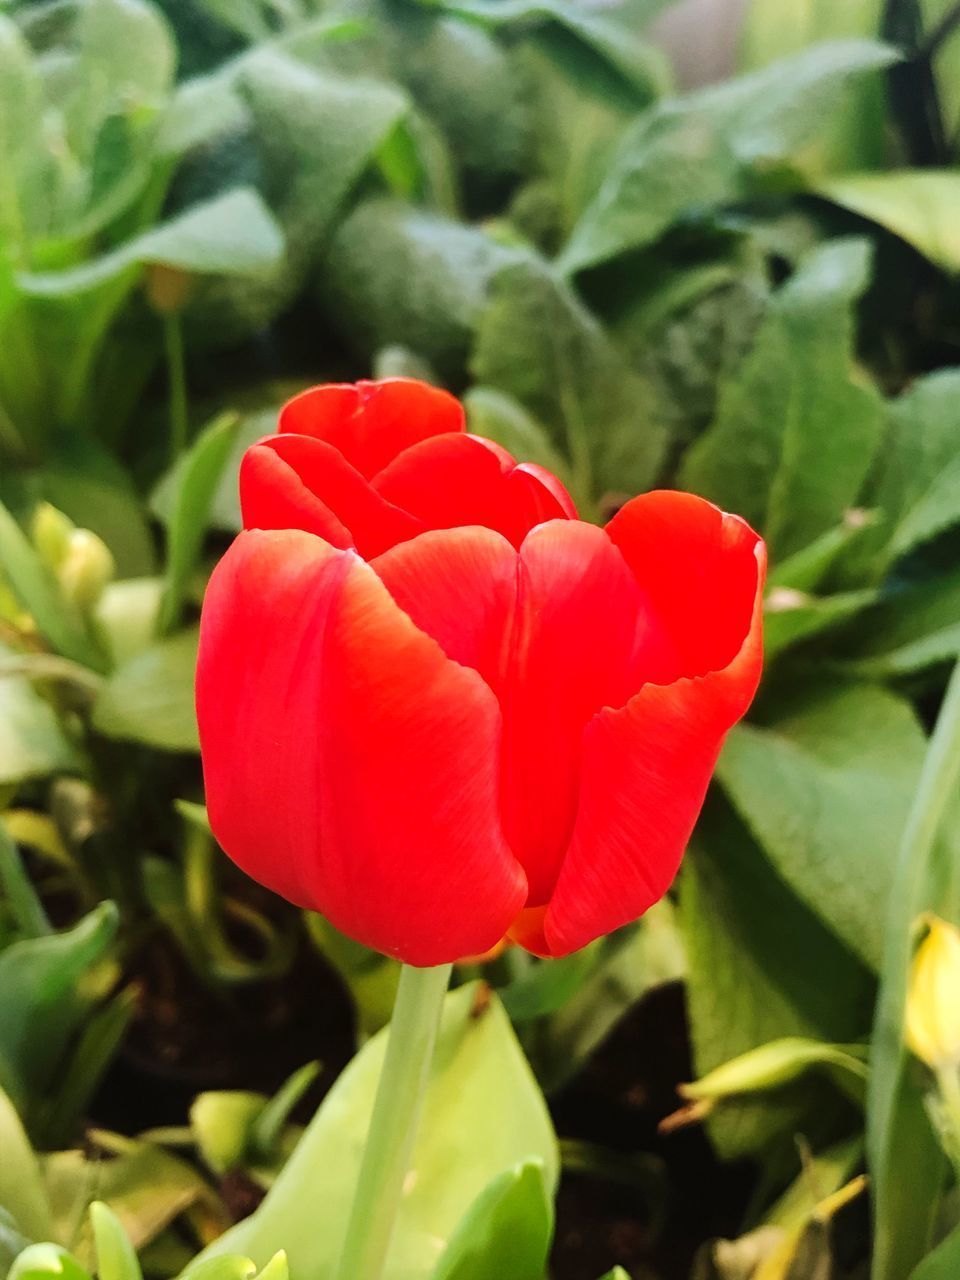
x,y
748,289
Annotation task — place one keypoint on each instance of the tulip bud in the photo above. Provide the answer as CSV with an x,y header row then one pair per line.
x,y
933,999
168,288
86,570
51,531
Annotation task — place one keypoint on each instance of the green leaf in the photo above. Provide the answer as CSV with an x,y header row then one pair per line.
x,y
22,1192
918,205
222,1122
826,790
914,628
228,1267
791,616
20,897
197,480
499,417
126,50
231,234
761,967
21,112
506,1230
914,491
457,1152
704,149
795,430
943,1263
40,1261
145,1187
116,1257
640,63
32,742
857,134
780,1062
538,343
41,1001
395,274
37,592
150,698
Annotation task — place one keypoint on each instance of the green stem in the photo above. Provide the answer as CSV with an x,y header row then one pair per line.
x,y
177,381
393,1125
909,896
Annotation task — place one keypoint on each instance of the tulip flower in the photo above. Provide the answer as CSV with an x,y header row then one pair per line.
x,y
437,708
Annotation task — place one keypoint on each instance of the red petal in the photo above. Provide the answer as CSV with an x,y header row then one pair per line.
x,y
700,568
646,767
296,482
371,422
349,764
558,632
583,638
457,480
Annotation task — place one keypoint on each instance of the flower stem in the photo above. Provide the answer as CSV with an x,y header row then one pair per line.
x,y
393,1125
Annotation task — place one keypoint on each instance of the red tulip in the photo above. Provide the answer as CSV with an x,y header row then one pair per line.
x,y
485,719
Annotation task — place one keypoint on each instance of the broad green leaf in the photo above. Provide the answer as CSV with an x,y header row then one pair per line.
x,y
145,1187
38,594
231,234
150,697
914,628
537,342
918,205
707,148
126,51
458,1151
640,63
42,1002
943,1263
32,742
319,132
465,80
911,493
499,417
825,790
21,111
396,274
857,134
116,1257
761,967
198,479
796,429
22,1192
506,1230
